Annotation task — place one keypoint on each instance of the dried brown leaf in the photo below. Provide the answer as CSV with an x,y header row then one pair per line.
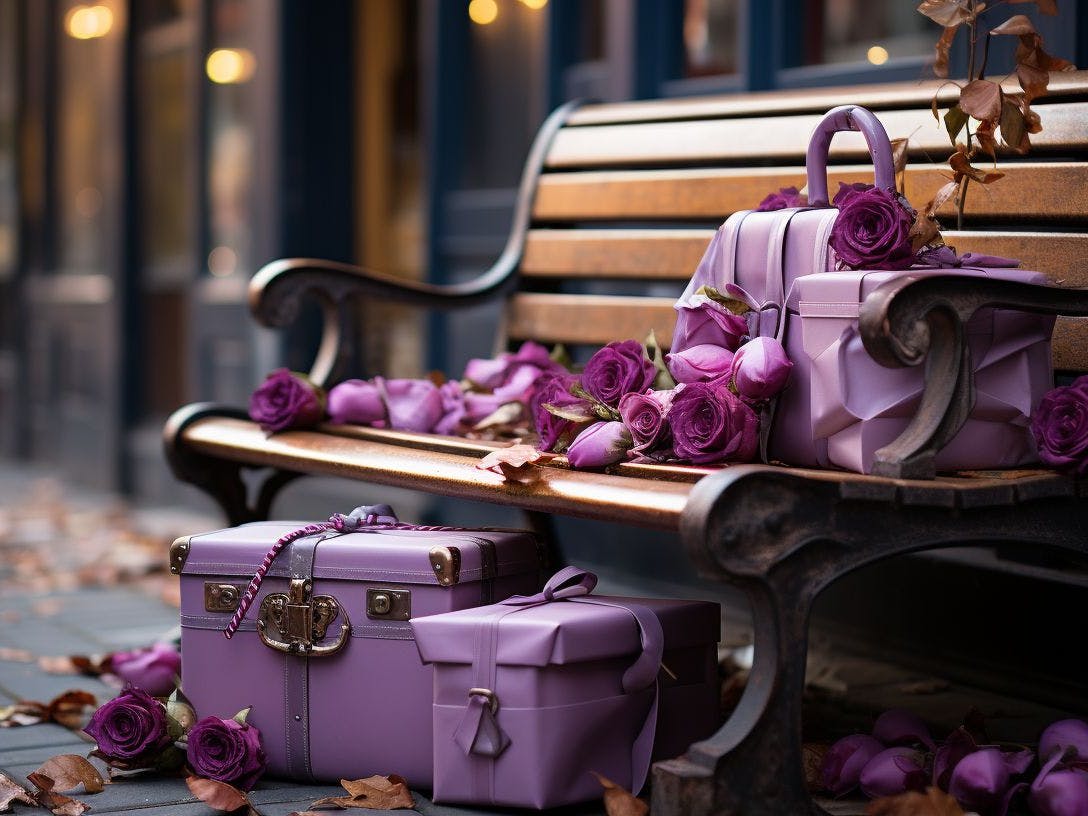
x,y
987,142
11,791
58,803
945,194
25,712
619,801
506,414
899,154
934,802
1033,80
373,793
1014,129
1045,6
962,167
948,12
69,771
1016,25
940,62
215,794
981,99
68,708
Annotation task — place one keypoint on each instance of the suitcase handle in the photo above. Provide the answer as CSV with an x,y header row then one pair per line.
x,y
847,117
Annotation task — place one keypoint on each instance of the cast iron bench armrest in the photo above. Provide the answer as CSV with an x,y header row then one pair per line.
x,y
924,320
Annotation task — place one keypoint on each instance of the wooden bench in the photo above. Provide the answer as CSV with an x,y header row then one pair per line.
x,y
615,209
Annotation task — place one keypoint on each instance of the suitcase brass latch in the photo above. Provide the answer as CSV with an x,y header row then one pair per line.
x,y
295,623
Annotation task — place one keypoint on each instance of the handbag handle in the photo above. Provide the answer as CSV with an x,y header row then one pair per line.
x,y
847,117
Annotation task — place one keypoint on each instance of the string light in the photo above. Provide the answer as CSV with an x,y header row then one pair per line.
x,y
88,22
228,66
877,55
535,5
483,12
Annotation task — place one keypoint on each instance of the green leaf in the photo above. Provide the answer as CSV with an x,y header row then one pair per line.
x,y
561,355
954,120
737,307
574,413
180,710
606,412
241,716
663,380
1013,126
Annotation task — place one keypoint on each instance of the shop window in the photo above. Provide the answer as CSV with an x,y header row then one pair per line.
x,y
710,37
8,190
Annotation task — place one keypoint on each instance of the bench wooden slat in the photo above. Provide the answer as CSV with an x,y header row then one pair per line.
x,y
714,193
767,137
588,319
673,254
891,95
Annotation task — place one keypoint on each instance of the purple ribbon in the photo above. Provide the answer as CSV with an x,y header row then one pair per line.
x,y
945,257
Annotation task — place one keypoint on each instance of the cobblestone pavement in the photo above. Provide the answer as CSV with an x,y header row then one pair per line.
x,y
82,574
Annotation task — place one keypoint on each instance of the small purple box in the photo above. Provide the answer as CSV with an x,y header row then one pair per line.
x,y
360,702
531,695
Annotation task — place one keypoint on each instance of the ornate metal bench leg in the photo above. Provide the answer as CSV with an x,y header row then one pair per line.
x,y
752,765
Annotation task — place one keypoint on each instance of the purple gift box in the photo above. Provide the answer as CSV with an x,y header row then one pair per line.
x,y
533,694
333,677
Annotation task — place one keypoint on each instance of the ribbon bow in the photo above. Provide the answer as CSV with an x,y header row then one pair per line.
x,y
945,257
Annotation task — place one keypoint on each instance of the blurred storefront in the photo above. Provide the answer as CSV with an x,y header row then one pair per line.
x,y
154,154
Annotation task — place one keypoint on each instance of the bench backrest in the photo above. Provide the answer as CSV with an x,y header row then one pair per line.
x,y
631,193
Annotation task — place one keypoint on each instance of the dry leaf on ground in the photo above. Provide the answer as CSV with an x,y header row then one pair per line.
x,y
218,795
69,771
373,793
812,758
16,655
67,709
89,665
934,802
11,791
46,797
619,801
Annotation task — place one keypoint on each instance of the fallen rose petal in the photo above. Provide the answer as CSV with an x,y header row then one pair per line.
x,y
620,801
11,791
514,463
898,726
218,795
46,797
373,793
931,803
69,771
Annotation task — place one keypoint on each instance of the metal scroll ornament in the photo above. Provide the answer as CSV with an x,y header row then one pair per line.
x,y
296,623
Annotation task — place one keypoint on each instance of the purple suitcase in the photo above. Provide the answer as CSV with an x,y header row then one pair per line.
x,y
348,697
533,693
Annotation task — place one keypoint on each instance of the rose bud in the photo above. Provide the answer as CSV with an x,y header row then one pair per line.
x,y
1060,427
603,443
453,407
487,373
1061,793
356,401
760,368
226,750
709,424
703,321
840,770
153,669
286,400
1062,741
703,363
897,726
618,369
981,780
413,405
893,771
131,727
644,415
959,744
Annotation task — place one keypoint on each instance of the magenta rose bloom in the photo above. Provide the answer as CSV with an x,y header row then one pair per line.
x,y
893,771
840,770
760,368
132,727
553,389
601,444
356,401
413,405
645,417
618,369
152,669
286,400
847,191
1060,427
709,424
227,751
702,363
702,321
785,197
872,230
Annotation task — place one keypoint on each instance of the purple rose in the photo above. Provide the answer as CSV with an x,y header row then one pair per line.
x,y
760,368
709,424
1060,427
526,364
872,230
1062,793
453,407
227,751
286,400
356,401
152,669
893,771
553,389
702,321
847,191
702,363
785,197
479,406
618,369
959,744
841,768
601,444
413,405
645,417
981,780
897,726
131,727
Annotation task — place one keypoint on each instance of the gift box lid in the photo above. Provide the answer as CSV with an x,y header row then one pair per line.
x,y
374,554
593,627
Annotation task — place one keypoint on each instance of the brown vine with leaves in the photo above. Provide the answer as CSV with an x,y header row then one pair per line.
x,y
997,113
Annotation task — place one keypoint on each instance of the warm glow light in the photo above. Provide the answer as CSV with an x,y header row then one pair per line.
x,y
88,22
227,66
535,4
222,261
483,12
877,55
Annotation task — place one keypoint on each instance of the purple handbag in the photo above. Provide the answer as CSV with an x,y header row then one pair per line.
x,y
839,406
534,693
323,648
